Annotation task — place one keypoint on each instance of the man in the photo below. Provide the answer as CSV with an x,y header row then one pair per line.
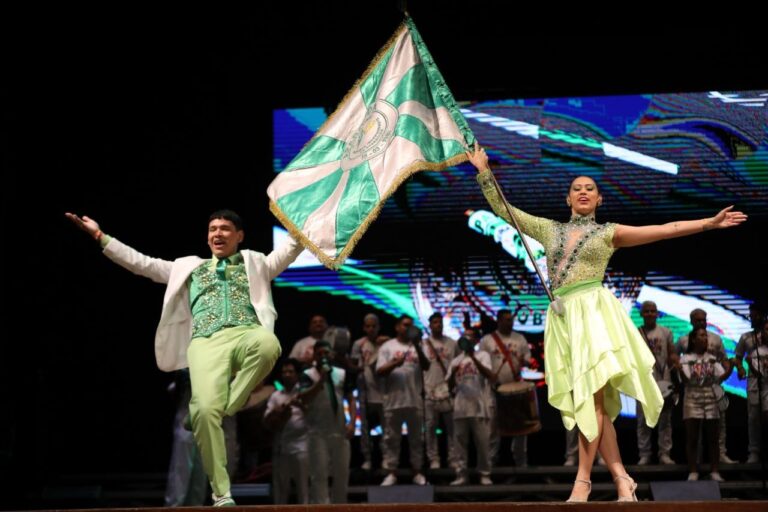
x,y
571,447
303,350
659,340
746,349
363,360
217,318
698,318
440,351
324,388
400,363
509,352
470,373
186,483
290,452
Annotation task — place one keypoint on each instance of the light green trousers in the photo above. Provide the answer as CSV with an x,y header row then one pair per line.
x,y
246,352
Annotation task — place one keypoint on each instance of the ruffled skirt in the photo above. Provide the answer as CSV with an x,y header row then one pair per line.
x,y
593,344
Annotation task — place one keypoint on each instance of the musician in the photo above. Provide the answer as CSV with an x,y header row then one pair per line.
x,y
701,371
323,389
660,342
470,375
290,451
438,406
363,361
303,349
400,364
186,484
571,447
509,351
747,348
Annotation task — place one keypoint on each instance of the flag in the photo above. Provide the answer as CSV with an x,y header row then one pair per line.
x,y
399,118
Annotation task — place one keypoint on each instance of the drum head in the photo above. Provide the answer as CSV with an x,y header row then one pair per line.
x,y
511,388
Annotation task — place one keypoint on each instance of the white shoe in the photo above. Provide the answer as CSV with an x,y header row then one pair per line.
x,y
366,465
485,480
666,459
460,480
716,477
725,459
570,461
223,501
692,477
753,458
390,479
644,461
600,460
435,464
419,479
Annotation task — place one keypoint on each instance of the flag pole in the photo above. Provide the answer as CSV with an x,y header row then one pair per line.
x,y
522,237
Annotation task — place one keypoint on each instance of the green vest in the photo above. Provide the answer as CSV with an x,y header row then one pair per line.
x,y
219,297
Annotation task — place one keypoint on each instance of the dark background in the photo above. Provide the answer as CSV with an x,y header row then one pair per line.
x,y
147,121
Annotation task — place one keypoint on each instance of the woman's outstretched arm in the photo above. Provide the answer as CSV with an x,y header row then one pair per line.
x,y
629,236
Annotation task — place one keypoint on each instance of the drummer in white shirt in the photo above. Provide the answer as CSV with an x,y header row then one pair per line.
x,y
509,352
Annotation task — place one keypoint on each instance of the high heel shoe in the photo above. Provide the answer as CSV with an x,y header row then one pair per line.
x,y
571,499
632,486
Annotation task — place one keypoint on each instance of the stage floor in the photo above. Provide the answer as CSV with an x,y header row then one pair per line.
x,y
650,506
535,488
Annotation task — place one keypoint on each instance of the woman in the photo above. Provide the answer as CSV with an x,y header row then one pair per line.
x,y
700,371
593,350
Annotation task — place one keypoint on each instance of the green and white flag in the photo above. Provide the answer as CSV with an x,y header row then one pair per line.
x,y
399,118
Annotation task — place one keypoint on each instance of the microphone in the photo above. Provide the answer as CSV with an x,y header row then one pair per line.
x,y
413,334
466,344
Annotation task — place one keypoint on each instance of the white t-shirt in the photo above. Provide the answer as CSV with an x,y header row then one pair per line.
x,y
434,378
518,349
402,387
761,365
320,416
366,352
472,388
702,370
745,349
659,340
292,438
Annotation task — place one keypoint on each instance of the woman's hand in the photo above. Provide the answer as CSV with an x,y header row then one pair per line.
x,y
478,158
726,219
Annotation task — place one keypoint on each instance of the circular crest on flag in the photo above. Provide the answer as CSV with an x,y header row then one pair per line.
x,y
372,137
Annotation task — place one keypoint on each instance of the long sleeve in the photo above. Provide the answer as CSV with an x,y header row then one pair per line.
x,y
538,228
279,259
155,269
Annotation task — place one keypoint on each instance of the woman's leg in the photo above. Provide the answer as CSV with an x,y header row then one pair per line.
x,y
608,446
711,428
587,452
692,443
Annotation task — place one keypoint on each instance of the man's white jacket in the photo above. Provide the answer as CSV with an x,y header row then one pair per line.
x,y
174,332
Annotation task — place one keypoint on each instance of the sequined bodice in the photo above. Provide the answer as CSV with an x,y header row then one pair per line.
x,y
577,250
